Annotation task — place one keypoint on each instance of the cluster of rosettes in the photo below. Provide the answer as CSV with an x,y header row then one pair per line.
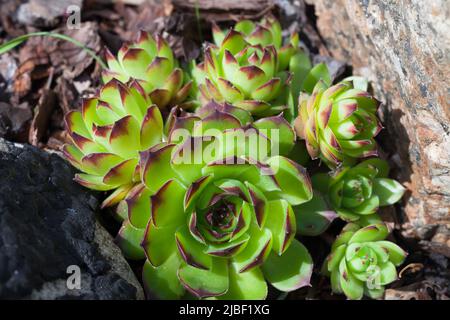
x,y
202,172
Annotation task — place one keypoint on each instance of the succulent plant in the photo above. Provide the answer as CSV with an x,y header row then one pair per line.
x,y
362,262
108,135
338,123
150,62
220,227
268,32
354,192
249,67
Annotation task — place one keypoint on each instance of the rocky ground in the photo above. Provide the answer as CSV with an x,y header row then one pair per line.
x,y
47,222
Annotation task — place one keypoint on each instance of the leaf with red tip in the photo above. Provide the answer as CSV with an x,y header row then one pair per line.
x,y
195,190
163,49
229,92
249,285
135,62
145,41
129,241
192,251
205,283
117,196
290,271
249,78
374,232
260,35
228,249
155,166
124,137
100,163
159,243
162,282
281,222
267,91
92,182
257,250
293,180
114,66
182,94
160,97
218,34
259,204
174,82
229,64
75,123
314,217
151,131
158,71
233,42
73,155
216,120
279,131
167,205
86,146
121,173
255,107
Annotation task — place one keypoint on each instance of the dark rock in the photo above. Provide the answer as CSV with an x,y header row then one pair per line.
x,y
47,223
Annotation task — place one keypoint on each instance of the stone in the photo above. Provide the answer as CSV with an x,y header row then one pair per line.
x,y
403,49
47,225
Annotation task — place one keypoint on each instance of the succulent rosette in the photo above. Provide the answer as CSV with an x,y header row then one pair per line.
x,y
338,123
107,136
244,74
150,62
221,227
268,32
355,192
362,262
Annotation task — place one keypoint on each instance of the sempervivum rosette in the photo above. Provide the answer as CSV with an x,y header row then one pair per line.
x,y
360,190
223,225
362,262
107,136
338,123
265,33
245,75
150,61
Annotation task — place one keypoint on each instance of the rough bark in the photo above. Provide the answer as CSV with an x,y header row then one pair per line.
x,y
403,48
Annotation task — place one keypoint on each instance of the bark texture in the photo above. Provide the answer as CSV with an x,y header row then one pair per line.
x,y
403,48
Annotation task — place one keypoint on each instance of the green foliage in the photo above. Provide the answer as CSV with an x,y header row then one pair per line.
x,y
221,224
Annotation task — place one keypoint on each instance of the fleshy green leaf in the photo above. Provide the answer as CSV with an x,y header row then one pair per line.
x,y
290,271
162,282
129,241
388,191
249,285
314,216
205,283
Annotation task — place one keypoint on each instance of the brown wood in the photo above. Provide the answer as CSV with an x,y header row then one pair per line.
x,y
245,5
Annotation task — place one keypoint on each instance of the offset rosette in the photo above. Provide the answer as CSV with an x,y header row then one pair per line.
x,y
362,262
338,123
268,32
359,191
107,136
151,63
220,226
245,75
